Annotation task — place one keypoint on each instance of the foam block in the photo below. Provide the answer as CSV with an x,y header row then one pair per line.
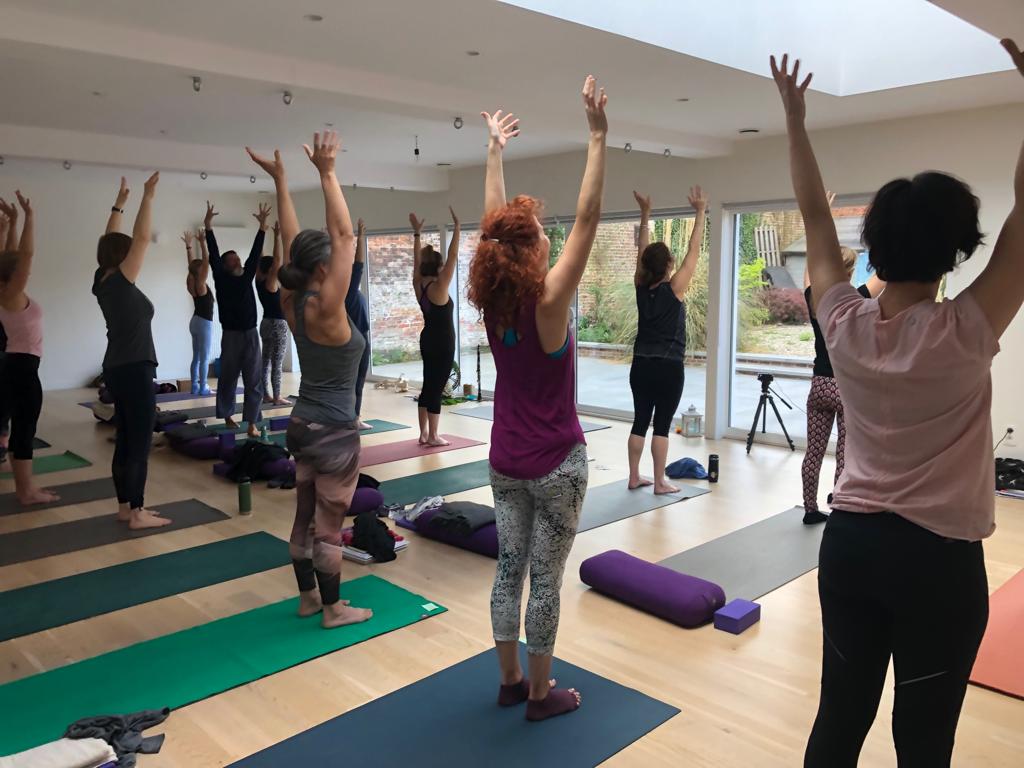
x,y
737,616
279,423
675,597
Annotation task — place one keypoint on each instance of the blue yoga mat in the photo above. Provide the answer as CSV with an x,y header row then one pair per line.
x,y
452,719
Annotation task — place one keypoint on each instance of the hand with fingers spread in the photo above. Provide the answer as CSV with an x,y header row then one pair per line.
x,y
324,151
1015,53
149,189
262,214
417,224
697,198
500,128
210,213
24,202
790,88
122,193
10,210
186,238
644,201
275,167
594,102
277,229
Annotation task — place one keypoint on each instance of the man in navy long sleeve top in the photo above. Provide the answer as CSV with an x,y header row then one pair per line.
x,y
355,306
240,341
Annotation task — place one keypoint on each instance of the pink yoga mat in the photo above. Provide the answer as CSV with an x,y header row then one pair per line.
x,y
409,449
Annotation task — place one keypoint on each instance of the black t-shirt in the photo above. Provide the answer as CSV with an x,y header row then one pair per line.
x,y
661,323
129,316
271,301
822,363
204,305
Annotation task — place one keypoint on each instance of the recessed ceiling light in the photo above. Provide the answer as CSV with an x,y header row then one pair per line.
x,y
683,98
472,53
97,93
313,17
750,130
443,165
329,125
163,131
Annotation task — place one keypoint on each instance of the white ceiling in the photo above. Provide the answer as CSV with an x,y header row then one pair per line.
x,y
385,72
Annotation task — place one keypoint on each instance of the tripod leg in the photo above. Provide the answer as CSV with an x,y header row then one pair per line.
x,y
781,423
753,428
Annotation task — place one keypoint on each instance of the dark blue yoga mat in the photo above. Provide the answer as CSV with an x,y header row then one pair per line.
x,y
452,719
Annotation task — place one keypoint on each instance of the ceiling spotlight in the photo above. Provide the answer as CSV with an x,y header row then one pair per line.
x,y
683,99
472,53
286,97
329,125
197,83
628,147
313,17
252,179
391,188
202,175
667,152
67,165
97,93
163,131
750,130
354,185
458,123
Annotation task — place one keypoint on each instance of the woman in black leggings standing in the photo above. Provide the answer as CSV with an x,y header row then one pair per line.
x,y
656,376
430,281
129,365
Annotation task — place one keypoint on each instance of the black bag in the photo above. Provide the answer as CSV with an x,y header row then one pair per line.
x,y
1009,475
371,534
250,457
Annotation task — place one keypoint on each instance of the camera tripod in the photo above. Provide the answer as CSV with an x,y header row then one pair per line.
x,y
761,414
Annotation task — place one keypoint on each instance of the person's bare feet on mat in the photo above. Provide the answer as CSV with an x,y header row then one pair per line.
x,y
144,518
37,496
230,423
310,605
341,614
363,425
639,482
253,431
558,701
281,401
663,488
435,442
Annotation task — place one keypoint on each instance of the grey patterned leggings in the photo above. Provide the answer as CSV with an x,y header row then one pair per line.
x,y
537,522
274,335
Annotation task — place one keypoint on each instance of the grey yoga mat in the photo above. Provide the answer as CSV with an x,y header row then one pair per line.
x,y
753,561
210,411
59,539
486,411
70,493
613,502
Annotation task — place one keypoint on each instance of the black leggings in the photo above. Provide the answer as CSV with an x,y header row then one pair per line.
x,y
134,416
891,588
21,401
437,348
657,385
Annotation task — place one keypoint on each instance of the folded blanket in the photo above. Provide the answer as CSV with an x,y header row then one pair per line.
x,y
186,433
63,753
463,517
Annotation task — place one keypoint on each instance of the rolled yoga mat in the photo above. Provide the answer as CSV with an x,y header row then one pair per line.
x,y
451,719
437,482
93,593
191,665
486,411
998,665
613,502
43,465
70,493
755,560
61,538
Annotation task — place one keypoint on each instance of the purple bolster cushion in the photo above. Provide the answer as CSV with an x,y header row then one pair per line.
x,y
676,597
483,541
202,448
269,470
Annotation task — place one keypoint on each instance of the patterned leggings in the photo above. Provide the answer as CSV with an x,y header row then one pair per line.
x,y
824,406
537,522
274,335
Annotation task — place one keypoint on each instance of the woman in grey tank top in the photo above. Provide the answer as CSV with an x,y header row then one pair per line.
x,y
323,434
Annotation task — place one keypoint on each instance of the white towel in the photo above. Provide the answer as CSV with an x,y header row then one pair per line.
x,y
65,753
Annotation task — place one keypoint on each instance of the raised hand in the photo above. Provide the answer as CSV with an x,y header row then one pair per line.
x,y
275,167
210,213
201,237
455,219
149,189
360,227
417,224
594,102
697,198
9,210
277,229
324,151
122,193
262,214
501,128
187,239
1015,53
644,201
790,88
24,202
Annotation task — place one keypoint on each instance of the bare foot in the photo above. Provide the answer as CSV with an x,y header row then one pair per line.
x,y
341,614
144,518
124,513
230,423
436,442
267,399
309,603
423,438
663,486
363,425
639,482
253,431
37,496
281,401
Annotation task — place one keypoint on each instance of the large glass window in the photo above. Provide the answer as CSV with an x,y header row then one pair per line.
x,y
395,317
773,333
472,336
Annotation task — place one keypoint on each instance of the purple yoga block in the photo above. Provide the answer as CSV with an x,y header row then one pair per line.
x,y
737,616
675,597
279,423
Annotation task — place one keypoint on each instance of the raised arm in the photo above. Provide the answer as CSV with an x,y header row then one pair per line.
x,y
681,279
999,289
204,265
499,129
645,233
444,278
271,283
417,244
26,247
10,211
352,297
285,207
117,209
339,228
141,232
4,228
186,238
256,252
563,278
211,239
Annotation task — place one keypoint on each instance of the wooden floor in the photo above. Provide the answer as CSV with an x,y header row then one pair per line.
x,y
746,701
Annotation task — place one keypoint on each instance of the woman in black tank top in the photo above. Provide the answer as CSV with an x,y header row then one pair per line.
x,y
201,324
656,375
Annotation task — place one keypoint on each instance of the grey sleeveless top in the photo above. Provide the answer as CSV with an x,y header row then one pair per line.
x,y
327,391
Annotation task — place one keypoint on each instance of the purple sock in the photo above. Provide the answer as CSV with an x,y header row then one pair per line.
x,y
511,695
559,701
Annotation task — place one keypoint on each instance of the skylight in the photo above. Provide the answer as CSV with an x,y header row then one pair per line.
x,y
853,46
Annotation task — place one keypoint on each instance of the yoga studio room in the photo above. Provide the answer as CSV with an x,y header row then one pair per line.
x,y
511,384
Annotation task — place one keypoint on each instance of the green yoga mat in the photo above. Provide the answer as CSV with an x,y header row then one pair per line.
x,y
188,666
437,482
42,465
84,595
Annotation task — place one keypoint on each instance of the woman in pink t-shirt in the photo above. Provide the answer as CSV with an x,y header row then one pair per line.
x,y
901,571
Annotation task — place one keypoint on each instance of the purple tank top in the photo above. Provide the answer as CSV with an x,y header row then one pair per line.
x,y
535,422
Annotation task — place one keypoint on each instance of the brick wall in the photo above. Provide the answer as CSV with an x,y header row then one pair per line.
x,y
395,317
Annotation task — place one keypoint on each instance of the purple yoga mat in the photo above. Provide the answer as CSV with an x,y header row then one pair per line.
x,y
409,449
173,397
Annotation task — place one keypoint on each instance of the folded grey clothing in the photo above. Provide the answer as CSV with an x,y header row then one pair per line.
x,y
123,733
421,506
163,418
186,433
463,517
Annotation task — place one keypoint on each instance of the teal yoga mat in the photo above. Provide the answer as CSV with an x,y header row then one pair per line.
x,y
437,482
84,595
42,465
191,665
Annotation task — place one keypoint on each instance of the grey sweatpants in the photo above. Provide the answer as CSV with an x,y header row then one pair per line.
x,y
240,353
537,521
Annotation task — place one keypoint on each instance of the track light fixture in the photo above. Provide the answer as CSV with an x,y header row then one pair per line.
x,y
286,97
252,179
202,175
458,123
628,147
667,152
67,165
197,83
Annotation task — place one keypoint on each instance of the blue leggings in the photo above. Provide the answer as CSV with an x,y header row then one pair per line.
x,y
202,343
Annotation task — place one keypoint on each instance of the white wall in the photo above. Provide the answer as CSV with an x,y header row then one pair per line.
x,y
71,212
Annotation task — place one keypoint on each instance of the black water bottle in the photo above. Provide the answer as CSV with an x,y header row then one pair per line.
x,y
713,468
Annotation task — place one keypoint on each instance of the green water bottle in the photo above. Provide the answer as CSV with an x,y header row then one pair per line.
x,y
264,437
245,496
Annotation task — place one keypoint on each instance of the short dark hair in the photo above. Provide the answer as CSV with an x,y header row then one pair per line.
x,y
916,230
229,253
266,262
655,262
430,261
112,249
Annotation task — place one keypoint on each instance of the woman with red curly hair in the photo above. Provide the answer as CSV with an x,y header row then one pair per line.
x,y
538,454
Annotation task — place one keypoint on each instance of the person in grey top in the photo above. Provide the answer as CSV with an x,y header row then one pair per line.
x,y
323,434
